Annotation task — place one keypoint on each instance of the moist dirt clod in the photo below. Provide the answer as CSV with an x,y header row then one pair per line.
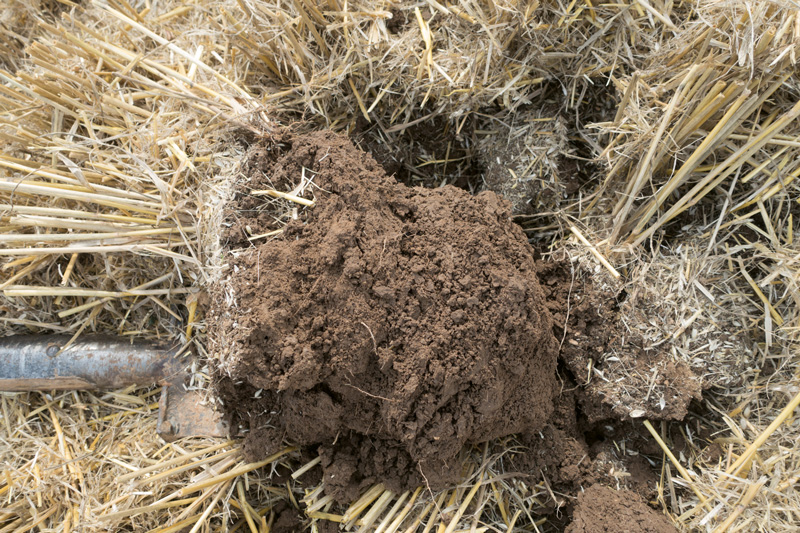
x,y
601,509
388,325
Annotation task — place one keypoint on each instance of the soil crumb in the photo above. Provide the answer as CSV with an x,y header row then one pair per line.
x,y
389,325
604,510
287,519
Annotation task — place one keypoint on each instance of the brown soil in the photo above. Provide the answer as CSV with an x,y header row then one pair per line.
x,y
389,325
591,438
604,510
570,453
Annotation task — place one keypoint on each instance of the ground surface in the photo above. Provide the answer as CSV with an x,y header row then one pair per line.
x,y
677,163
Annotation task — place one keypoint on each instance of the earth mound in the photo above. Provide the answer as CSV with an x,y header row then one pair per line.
x,y
389,325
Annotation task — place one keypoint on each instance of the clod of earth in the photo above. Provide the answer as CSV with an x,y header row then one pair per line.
x,y
604,510
389,325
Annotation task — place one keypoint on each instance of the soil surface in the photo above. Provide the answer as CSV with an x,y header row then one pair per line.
x,y
389,325
604,510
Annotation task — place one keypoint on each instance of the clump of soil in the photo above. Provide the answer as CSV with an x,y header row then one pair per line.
x,y
621,375
571,452
390,325
604,510
527,160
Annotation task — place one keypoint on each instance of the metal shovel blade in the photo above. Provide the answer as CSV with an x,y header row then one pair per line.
x,y
183,413
40,362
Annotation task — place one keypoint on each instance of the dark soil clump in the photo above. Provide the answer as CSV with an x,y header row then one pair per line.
x,y
604,510
389,325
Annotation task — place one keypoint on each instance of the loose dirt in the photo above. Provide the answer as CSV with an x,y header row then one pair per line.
x,y
389,325
604,510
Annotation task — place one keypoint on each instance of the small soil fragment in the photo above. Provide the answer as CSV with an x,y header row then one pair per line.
x,y
287,519
604,510
621,377
390,326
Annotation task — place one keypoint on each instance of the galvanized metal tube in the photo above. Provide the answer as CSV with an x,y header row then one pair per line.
x,y
37,362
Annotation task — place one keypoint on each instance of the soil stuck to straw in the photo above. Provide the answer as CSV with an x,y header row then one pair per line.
x,y
391,325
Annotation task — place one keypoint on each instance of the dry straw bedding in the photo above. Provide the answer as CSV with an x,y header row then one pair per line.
x,y
122,122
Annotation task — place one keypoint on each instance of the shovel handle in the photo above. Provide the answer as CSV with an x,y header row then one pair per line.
x,y
38,362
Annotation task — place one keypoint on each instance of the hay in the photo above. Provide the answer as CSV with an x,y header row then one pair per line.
x,y
121,125
716,105
416,82
111,204
107,156
702,162
93,462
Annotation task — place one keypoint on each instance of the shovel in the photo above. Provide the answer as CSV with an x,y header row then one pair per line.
x,y
39,363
